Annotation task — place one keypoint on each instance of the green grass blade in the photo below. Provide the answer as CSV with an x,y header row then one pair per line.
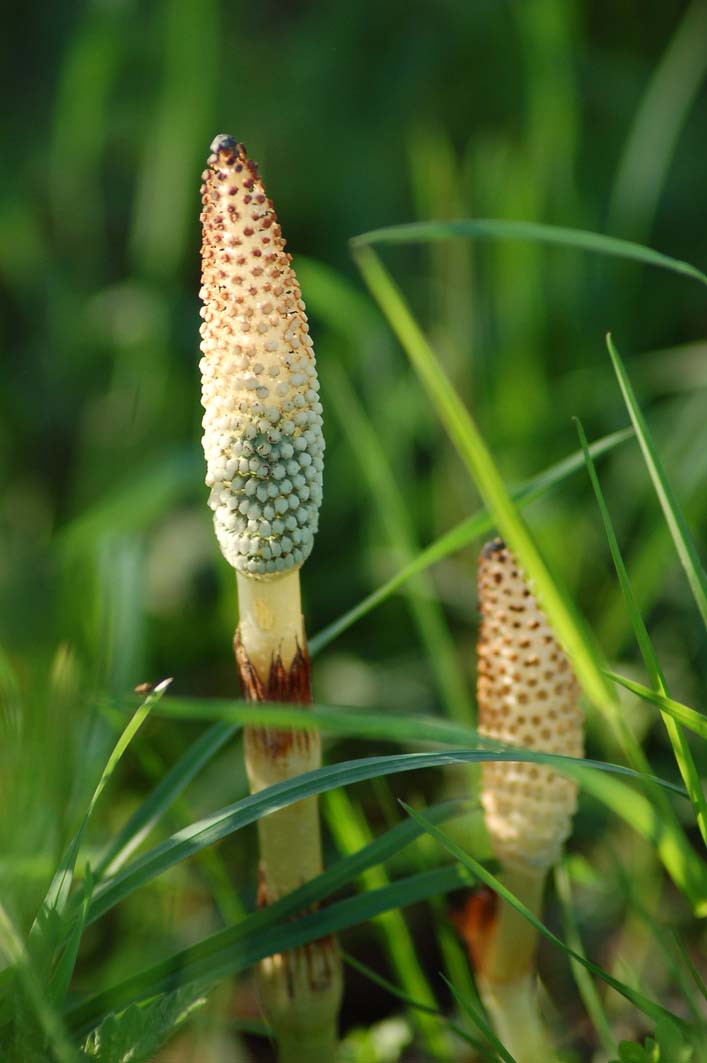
x,y
145,818
691,718
62,973
477,1018
347,824
502,229
569,627
694,973
370,723
473,450
418,1005
390,507
639,1000
587,990
58,892
678,741
463,533
13,950
676,522
631,806
234,959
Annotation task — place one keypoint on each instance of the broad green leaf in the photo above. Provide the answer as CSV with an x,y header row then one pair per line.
x,y
136,1034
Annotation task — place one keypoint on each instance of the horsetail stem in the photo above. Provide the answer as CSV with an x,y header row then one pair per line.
x,y
264,450
527,696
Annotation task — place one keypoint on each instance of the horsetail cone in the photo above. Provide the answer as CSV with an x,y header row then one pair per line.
x,y
262,420
264,452
527,696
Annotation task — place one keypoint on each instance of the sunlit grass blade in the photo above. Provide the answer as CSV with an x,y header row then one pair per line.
x,y
561,612
473,450
393,515
691,718
681,749
477,1018
679,860
211,867
58,892
332,919
418,1005
376,724
675,520
463,533
502,229
587,990
649,1007
148,814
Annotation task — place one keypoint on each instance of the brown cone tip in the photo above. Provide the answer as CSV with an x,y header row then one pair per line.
x,y
527,696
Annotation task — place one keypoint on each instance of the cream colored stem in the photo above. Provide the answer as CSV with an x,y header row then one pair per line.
x,y
514,1011
300,989
271,623
510,951
508,982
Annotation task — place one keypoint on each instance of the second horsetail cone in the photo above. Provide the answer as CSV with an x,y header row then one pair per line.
x,y
262,422
528,696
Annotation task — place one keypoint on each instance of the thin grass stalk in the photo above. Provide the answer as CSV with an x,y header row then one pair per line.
x,y
264,447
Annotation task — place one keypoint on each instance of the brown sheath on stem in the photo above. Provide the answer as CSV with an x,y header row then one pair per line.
x,y
301,989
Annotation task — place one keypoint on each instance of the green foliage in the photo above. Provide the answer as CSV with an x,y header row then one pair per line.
x,y
135,1035
668,1046
118,914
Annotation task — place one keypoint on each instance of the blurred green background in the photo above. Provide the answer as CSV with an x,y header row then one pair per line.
x,y
582,114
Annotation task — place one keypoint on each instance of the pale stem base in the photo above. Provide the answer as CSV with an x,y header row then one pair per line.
x,y
300,990
508,981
